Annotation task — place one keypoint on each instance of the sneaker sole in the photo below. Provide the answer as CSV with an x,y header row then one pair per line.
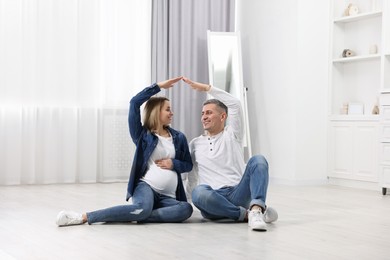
x,y
262,229
259,228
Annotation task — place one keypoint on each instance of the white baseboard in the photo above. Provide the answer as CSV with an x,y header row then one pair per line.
x,y
354,184
295,182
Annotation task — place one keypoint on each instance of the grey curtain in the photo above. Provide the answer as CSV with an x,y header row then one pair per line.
x,y
179,48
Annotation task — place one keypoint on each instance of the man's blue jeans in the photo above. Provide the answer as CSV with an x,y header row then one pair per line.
x,y
233,202
147,206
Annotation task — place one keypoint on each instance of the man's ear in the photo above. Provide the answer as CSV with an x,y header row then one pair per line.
x,y
223,116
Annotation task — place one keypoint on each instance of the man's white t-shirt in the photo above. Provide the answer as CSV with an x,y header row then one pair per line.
x,y
219,159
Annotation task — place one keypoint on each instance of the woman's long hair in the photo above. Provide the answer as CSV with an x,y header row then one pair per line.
x,y
152,112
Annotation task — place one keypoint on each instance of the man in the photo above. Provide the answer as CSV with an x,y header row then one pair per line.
x,y
227,187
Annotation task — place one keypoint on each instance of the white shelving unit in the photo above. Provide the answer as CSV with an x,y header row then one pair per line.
x,y
358,17
357,58
362,80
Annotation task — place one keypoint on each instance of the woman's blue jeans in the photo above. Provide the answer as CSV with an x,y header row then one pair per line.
x,y
233,202
147,206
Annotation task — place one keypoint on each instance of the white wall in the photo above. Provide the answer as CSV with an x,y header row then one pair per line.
x,y
285,52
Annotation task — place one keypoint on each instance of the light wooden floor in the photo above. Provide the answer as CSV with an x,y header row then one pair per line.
x,y
320,222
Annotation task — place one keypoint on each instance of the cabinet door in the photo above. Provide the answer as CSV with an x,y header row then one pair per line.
x,y
385,176
340,151
353,150
384,158
366,151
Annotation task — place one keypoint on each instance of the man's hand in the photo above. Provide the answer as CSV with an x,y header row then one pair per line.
x,y
169,83
196,85
165,164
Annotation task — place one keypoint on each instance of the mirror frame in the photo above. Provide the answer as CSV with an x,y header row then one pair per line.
x,y
240,91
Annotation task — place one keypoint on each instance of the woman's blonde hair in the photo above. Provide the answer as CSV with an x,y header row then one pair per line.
x,y
152,112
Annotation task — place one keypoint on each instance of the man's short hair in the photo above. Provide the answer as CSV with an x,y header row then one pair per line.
x,y
218,103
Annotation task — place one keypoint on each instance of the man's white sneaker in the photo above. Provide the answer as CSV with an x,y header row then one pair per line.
x,y
256,220
68,218
270,215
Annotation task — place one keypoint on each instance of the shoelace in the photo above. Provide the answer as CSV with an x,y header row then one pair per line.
x,y
72,219
256,214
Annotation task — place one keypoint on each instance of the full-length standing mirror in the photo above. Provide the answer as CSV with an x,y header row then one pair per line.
x,y
225,72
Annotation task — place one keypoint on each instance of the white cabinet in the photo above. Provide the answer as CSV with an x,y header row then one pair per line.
x,y
384,139
353,150
356,84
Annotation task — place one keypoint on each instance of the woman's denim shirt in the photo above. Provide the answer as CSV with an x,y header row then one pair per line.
x,y
146,141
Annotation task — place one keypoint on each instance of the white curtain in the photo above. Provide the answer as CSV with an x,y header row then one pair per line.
x,y
68,69
179,40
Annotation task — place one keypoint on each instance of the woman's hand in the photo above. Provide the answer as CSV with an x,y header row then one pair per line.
x,y
169,83
165,164
196,85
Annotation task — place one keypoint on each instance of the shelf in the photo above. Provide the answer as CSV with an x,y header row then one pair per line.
x,y
357,17
374,118
385,140
357,58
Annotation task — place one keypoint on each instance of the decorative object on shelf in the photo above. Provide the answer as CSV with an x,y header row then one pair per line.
x,y
347,53
375,109
352,9
373,49
344,109
355,108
